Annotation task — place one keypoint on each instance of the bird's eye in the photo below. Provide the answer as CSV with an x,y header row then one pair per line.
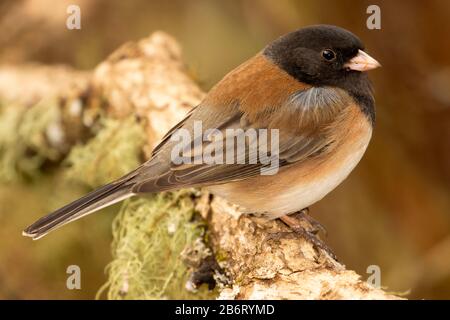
x,y
328,54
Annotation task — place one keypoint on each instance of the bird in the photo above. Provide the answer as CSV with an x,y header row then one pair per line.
x,y
310,85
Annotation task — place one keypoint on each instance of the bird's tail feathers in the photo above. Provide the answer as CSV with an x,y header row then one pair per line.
x,y
92,202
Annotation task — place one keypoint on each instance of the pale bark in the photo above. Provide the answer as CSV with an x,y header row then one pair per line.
x,y
149,79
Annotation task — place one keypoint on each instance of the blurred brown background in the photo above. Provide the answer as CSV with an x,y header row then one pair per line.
x,y
393,211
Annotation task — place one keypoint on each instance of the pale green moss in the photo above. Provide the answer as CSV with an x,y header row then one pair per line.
x,y
24,145
150,234
149,237
114,151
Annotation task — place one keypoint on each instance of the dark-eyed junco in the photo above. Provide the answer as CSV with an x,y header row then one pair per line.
x,y
307,87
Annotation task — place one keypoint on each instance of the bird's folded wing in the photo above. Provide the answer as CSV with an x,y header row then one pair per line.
x,y
303,123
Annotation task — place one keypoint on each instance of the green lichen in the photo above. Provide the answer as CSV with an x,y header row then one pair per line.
x,y
24,145
150,235
114,151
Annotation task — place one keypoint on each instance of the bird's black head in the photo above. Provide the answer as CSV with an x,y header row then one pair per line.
x,y
325,55
318,55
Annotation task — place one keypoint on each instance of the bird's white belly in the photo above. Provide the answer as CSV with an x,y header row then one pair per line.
x,y
298,197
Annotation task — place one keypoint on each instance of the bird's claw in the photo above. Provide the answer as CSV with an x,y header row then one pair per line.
x,y
294,223
316,225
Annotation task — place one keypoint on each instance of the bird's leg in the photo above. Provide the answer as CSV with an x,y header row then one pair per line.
x,y
316,225
295,224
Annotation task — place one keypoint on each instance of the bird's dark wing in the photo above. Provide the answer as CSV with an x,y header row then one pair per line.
x,y
303,124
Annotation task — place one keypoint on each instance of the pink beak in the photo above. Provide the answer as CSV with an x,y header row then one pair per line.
x,y
362,62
